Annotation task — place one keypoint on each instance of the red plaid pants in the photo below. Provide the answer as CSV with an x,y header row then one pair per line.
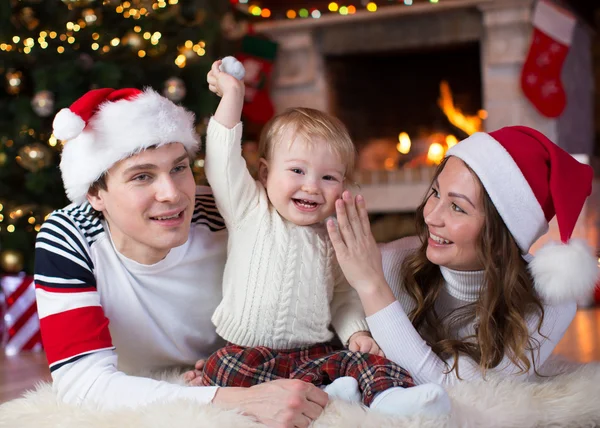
x,y
319,364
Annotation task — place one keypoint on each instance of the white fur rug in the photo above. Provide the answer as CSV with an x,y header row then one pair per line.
x,y
569,399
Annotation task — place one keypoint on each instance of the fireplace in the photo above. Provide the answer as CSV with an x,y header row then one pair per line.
x,y
396,104
322,64
381,94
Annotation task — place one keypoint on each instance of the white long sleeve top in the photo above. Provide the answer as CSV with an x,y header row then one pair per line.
x,y
106,320
402,344
282,286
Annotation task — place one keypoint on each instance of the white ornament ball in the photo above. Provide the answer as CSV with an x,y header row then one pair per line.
x,y
43,103
232,66
174,89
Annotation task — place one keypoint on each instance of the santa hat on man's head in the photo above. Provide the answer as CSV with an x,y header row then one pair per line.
x,y
530,180
106,125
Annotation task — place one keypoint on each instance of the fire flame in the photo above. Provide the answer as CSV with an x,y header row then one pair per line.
x,y
468,124
436,153
439,146
404,143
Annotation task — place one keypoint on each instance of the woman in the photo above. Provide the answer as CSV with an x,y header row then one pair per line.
x,y
465,299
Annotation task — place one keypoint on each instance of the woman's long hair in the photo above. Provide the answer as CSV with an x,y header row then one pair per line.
x,y
499,313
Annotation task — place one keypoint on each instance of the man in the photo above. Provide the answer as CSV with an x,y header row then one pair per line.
x,y
128,276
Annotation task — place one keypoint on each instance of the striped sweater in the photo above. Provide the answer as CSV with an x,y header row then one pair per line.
x,y
104,317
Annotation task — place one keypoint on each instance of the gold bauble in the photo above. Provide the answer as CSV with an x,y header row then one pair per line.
x,y
174,89
2,158
133,40
43,103
11,261
91,16
13,81
34,157
27,17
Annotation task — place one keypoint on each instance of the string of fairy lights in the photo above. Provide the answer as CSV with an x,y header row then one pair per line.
x,y
136,38
332,8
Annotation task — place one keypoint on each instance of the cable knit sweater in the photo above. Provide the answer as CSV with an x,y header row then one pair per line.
x,y
282,286
402,344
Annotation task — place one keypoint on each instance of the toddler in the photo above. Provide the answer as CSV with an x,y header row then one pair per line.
x,y
282,286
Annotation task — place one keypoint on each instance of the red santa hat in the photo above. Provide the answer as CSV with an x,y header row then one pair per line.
x,y
106,125
530,180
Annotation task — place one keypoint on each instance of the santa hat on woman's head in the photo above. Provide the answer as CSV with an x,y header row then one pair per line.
x,y
530,180
105,126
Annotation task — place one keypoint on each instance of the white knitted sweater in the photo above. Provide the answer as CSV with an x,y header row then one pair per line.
x,y
282,286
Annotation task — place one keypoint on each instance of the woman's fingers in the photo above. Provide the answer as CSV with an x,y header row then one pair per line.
x,y
363,215
352,212
344,225
336,238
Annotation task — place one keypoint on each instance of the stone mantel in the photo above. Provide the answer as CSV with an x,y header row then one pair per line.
x,y
284,26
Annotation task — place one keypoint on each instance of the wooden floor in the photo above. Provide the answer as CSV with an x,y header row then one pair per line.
x,y
581,343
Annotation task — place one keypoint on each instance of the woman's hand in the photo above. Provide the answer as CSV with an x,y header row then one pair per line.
x,y
356,249
358,254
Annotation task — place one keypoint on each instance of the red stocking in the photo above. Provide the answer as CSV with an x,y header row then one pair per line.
x,y
540,79
257,57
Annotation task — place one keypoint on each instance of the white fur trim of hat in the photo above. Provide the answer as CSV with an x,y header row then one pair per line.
x,y
106,126
530,180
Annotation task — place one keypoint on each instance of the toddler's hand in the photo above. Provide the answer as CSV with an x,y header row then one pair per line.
x,y
363,342
194,377
222,83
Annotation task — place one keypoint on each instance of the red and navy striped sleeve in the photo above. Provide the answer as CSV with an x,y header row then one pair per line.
x,y
206,213
72,321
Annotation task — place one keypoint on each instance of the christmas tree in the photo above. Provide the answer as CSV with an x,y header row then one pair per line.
x,y
52,52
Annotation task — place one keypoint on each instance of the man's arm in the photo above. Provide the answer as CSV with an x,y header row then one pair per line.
x,y
75,330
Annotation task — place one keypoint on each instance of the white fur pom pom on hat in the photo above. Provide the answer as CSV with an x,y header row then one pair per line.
x,y
67,125
233,67
564,272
